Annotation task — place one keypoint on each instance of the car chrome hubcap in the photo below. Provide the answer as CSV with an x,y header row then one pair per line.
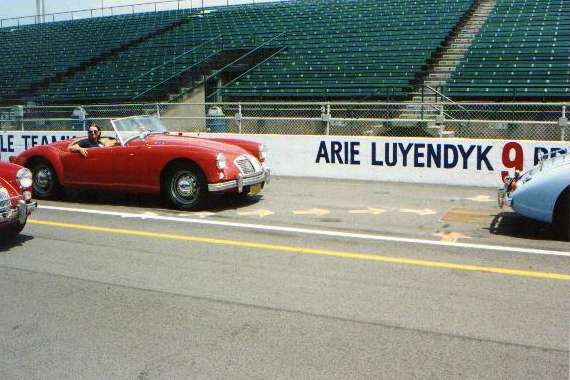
x,y
43,179
185,188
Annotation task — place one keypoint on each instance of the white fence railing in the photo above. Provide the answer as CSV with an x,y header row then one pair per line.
x,y
139,7
523,121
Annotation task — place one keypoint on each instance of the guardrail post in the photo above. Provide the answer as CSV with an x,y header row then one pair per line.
x,y
423,100
440,120
563,123
326,117
20,116
239,116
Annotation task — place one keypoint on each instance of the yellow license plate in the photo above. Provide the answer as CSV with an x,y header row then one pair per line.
x,y
254,189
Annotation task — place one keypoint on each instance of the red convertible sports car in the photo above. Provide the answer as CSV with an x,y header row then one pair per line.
x,y
143,157
15,199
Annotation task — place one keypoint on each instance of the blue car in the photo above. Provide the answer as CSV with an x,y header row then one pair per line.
x,y
542,193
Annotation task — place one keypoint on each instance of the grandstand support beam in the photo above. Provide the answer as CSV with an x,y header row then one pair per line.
x,y
38,11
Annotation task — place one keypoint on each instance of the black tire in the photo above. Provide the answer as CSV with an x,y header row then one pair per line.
x,y
10,232
562,216
45,182
185,187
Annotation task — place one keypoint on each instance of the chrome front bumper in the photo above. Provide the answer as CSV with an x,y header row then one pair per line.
x,y
19,213
503,197
239,183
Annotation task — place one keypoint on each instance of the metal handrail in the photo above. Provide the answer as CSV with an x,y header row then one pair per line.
x,y
245,55
176,74
438,109
246,72
444,96
175,58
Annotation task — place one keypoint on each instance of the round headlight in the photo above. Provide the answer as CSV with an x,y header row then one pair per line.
x,y
4,199
262,152
221,161
24,178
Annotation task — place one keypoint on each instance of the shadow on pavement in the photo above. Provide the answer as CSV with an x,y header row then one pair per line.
x,y
216,203
508,223
18,241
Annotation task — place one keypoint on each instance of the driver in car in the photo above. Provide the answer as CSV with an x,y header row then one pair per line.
x,y
93,140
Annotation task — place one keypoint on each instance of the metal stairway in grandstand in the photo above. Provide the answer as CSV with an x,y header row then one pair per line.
x,y
210,61
427,97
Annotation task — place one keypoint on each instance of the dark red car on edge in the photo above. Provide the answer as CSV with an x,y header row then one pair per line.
x,y
15,199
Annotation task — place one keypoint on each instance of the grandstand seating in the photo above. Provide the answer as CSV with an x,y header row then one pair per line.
x,y
523,51
331,49
354,50
334,49
33,53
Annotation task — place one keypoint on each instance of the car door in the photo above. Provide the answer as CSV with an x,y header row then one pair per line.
x,y
131,172
95,170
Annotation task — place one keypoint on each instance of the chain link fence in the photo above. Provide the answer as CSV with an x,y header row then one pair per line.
x,y
522,121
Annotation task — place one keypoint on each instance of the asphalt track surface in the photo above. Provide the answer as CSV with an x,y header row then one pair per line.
x,y
312,279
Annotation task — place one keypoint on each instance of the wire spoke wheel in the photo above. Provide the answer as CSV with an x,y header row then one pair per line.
x,y
45,181
186,187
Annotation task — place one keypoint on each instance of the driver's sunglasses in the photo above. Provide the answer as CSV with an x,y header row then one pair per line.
x,y
92,131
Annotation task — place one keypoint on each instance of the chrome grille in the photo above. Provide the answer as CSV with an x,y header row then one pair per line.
x,y
5,203
245,166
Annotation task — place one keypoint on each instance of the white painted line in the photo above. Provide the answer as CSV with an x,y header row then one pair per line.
x,y
307,231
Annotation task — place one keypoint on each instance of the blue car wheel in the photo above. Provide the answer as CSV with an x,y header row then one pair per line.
x,y
562,215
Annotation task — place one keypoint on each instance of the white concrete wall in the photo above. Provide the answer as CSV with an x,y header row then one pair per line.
x,y
399,159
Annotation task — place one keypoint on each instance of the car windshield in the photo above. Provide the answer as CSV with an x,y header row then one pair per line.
x,y
131,127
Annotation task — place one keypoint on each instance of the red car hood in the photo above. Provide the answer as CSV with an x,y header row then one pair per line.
x,y
195,142
8,175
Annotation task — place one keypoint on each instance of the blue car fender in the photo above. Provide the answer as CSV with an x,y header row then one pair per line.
x,y
536,197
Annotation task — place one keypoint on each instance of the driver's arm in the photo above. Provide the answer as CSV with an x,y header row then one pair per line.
x,y
76,148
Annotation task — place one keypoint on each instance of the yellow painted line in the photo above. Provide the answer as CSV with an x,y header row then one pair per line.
x,y
310,251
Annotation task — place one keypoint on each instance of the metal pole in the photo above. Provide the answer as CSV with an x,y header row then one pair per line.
x,y
328,118
158,110
563,124
21,117
240,116
38,12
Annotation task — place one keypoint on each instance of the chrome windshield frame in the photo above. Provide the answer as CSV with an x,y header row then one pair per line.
x,y
142,126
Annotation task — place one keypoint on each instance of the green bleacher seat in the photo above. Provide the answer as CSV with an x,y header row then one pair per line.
x,y
522,52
